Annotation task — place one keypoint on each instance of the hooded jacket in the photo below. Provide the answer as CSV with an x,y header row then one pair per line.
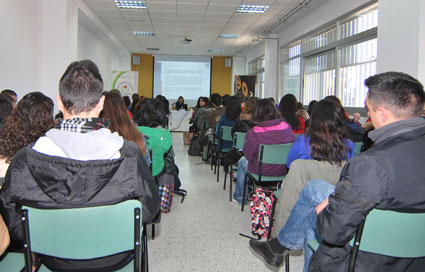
x,y
74,170
388,176
275,131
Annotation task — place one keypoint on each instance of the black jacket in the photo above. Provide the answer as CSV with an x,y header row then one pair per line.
x,y
389,176
38,180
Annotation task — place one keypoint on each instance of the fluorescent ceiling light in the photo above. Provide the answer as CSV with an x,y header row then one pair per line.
x,y
127,4
228,36
143,33
152,49
251,9
216,50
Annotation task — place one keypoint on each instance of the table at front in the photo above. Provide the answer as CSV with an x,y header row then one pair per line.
x,y
179,120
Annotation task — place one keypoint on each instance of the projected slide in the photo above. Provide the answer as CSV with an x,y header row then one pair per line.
x,y
182,76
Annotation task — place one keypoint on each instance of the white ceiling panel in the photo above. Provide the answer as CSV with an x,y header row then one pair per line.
x,y
200,20
191,7
222,8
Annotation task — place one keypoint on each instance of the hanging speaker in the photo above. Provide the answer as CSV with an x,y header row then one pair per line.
x,y
136,59
227,62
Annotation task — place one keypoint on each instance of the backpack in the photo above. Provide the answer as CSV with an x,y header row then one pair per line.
x,y
261,205
194,147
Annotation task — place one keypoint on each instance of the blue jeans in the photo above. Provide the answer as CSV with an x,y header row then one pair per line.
x,y
240,178
301,224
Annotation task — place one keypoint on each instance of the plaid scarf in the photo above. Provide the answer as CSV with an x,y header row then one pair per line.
x,y
82,125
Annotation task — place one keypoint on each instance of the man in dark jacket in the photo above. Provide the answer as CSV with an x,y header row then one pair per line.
x,y
389,176
79,163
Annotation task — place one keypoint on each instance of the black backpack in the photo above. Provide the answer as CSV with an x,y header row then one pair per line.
x,y
194,147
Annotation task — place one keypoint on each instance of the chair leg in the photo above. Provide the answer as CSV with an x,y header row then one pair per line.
x,y
230,182
218,166
225,177
243,194
145,261
153,231
287,263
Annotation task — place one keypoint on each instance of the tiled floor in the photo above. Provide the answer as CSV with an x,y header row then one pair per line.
x,y
202,233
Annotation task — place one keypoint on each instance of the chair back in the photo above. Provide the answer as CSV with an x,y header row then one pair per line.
x,y
84,233
239,140
394,234
359,146
272,154
226,133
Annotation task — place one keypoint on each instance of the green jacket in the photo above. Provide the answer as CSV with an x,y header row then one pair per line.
x,y
160,142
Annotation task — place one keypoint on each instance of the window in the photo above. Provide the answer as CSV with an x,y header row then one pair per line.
x,y
291,70
358,62
334,60
320,40
319,77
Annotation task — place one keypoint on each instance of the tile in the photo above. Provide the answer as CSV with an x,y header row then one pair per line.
x,y
202,233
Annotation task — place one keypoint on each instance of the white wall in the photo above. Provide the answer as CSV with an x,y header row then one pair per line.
x,y
20,46
90,47
39,38
398,49
238,68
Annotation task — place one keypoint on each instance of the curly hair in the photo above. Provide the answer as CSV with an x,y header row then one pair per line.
x,y
288,109
31,119
327,133
114,109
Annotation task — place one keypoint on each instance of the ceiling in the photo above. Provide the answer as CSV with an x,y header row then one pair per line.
x,y
200,21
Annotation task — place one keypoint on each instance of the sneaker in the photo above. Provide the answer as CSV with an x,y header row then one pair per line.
x,y
262,251
235,201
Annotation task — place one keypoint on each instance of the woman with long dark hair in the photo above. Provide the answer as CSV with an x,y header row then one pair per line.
x,y
268,128
229,118
326,139
288,109
320,153
31,119
355,131
114,109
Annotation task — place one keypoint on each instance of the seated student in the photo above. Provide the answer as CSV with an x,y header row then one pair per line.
x,y
229,118
180,104
288,110
372,179
269,128
5,109
215,115
114,109
11,94
79,163
355,131
325,139
32,117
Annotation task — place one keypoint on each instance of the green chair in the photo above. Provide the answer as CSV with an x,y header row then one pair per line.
x,y
238,142
225,135
269,154
86,233
13,262
358,149
402,237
